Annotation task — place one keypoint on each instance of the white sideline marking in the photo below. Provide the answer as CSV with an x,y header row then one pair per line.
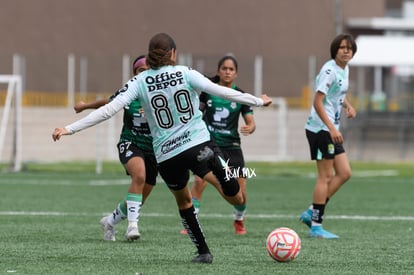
x,y
127,181
375,173
124,181
206,215
368,174
109,182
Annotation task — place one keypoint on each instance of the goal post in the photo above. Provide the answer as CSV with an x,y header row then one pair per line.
x,y
14,91
281,105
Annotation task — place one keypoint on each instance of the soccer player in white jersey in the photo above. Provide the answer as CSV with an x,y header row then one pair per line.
x,y
322,131
169,95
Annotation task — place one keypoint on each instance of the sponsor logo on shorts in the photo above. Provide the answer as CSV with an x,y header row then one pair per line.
x,y
331,149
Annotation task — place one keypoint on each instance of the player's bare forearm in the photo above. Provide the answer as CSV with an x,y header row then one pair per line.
x,y
81,105
250,125
349,109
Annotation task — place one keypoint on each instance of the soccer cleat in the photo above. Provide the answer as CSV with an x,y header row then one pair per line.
x,y
317,231
306,217
239,228
108,230
184,231
205,258
132,233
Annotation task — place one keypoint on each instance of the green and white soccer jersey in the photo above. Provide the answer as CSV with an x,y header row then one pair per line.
x,y
169,96
222,119
172,109
333,81
135,126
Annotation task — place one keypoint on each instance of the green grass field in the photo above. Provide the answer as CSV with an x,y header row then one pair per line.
x,y
49,223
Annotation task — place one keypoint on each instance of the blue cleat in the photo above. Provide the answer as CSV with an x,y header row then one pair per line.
x,y
317,231
306,217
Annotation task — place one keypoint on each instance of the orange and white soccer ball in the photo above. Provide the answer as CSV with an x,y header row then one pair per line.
x,y
283,244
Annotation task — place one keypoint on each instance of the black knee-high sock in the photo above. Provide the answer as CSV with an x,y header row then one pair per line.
x,y
318,211
193,227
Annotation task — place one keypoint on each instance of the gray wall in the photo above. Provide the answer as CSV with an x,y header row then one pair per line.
x,y
100,141
284,32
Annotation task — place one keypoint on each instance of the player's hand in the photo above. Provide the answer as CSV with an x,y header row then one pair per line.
x,y
58,132
79,107
246,130
266,100
336,136
350,112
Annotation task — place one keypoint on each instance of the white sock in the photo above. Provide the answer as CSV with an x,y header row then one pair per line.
x,y
133,208
116,216
316,224
238,215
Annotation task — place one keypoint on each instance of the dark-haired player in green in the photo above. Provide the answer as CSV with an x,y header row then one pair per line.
x,y
137,155
222,119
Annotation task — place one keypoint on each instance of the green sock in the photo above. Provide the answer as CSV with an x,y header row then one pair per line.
x,y
239,212
123,207
133,197
196,204
240,208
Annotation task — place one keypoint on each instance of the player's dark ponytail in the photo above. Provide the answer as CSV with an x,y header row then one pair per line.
x,y
159,51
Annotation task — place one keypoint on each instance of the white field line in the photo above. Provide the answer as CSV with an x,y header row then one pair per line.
x,y
212,215
375,173
368,174
126,180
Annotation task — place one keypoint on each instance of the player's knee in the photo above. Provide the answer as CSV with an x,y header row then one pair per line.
x,y
230,187
346,175
138,179
239,200
325,178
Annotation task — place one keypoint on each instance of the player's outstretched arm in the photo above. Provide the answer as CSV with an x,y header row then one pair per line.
x,y
81,105
97,116
266,100
233,95
203,84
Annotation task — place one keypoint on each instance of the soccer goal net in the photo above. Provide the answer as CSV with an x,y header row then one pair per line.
x,y
10,127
